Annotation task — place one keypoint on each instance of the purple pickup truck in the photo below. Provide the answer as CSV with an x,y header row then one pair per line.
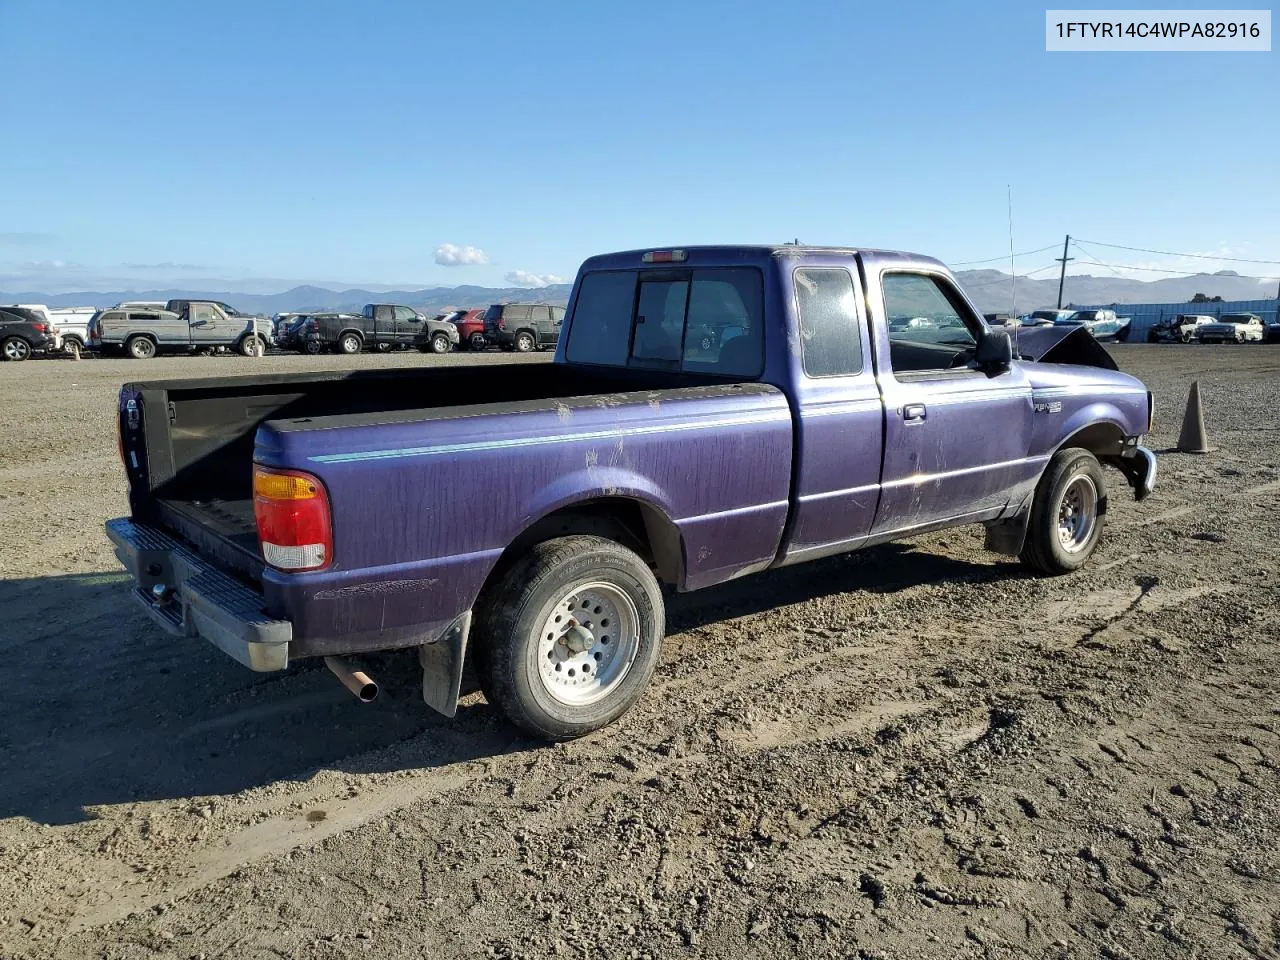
x,y
711,413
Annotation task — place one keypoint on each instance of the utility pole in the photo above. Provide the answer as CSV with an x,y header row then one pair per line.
x,y
1062,277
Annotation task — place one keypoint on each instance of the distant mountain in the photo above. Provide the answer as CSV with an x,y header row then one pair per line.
x,y
990,289
992,292
431,299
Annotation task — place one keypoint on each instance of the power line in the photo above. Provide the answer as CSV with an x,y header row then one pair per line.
x,y
1003,256
1170,253
1004,279
1177,273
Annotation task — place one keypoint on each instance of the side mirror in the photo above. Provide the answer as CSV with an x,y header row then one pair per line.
x,y
994,352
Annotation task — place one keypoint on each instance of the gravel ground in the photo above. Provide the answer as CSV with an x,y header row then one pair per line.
x,y
915,751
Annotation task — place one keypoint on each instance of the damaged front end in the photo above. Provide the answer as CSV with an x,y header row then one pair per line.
x,y
1062,344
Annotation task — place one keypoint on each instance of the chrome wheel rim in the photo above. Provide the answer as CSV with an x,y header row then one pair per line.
x,y
1077,514
440,344
16,350
588,644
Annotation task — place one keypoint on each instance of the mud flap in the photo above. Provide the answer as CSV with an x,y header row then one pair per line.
x,y
442,666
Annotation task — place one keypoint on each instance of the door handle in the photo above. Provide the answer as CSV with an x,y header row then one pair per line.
x,y
913,412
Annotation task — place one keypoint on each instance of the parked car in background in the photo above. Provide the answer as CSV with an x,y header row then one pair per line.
x,y
73,327
292,332
1179,329
379,326
523,326
1007,320
526,515
70,324
280,323
1233,328
140,305
1103,324
22,335
470,324
438,336
183,326
1047,317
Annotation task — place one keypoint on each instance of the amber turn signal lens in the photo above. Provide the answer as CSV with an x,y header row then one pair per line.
x,y
282,486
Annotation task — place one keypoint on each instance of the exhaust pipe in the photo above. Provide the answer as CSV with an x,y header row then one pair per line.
x,y
357,681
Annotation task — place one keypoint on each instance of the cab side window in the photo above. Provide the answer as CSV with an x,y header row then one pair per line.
x,y
931,329
830,338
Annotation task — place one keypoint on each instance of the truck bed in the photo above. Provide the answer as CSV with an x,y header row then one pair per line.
x,y
199,434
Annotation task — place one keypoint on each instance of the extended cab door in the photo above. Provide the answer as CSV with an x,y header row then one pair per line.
x,y
206,323
956,438
839,413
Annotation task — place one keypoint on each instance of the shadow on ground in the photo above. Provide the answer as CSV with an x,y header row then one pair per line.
x,y
103,708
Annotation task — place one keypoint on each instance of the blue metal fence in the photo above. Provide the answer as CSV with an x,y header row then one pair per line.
x,y
1147,315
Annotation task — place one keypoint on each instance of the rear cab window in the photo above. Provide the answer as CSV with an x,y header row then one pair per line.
x,y
699,319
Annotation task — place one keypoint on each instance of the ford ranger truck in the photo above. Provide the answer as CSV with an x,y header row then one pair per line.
x,y
287,516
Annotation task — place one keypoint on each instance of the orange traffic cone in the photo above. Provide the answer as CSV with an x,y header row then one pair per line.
x,y
1193,438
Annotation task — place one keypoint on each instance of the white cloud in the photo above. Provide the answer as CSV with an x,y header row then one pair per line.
x,y
452,255
523,278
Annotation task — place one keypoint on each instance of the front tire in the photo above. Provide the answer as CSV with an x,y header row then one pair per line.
x,y
1066,514
569,636
440,343
252,346
72,348
15,349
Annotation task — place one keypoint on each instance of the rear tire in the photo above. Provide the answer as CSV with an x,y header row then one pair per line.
x,y
312,348
476,342
559,675
349,343
1066,514
140,348
15,349
524,342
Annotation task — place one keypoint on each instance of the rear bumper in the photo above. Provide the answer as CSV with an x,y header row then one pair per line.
x,y
188,597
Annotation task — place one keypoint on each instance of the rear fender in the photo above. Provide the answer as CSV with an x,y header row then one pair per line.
x,y
594,487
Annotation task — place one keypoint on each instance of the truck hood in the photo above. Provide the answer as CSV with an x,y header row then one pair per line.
x,y
1062,344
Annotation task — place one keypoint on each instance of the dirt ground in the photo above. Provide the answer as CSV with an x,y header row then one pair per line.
x,y
915,751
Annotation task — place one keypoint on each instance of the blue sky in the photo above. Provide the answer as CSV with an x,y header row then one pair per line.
x,y
346,142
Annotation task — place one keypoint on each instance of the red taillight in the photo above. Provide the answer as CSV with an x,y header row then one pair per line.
x,y
295,526
41,327
665,256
